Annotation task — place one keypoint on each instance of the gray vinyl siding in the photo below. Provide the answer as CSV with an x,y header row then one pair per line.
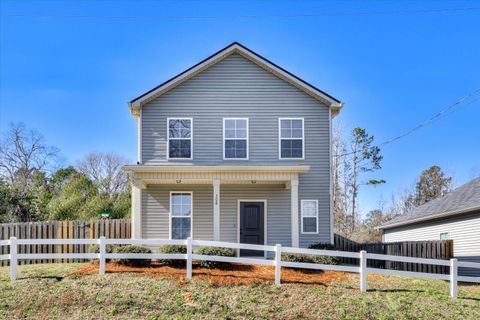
x,y
464,230
236,87
156,209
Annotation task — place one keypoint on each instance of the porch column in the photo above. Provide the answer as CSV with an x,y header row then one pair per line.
x,y
136,209
294,206
216,210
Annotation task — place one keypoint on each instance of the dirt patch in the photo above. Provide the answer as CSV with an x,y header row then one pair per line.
x,y
235,274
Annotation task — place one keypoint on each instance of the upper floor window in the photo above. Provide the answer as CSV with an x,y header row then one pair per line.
x,y
180,138
235,138
291,138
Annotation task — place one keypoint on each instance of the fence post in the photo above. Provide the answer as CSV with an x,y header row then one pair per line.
x,y
278,263
453,278
363,271
13,258
189,258
101,256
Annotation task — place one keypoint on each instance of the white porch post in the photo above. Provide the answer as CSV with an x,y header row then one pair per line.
x,y
216,210
294,206
136,209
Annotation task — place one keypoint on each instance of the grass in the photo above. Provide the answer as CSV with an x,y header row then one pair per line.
x,y
47,292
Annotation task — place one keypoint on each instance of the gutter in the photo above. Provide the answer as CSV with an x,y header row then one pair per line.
x,y
440,215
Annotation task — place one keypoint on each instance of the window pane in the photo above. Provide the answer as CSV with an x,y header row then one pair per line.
x,y
297,148
235,149
286,124
229,133
180,228
174,133
176,198
241,133
229,124
286,148
241,124
297,133
185,133
309,209
185,124
286,133
179,148
297,124
309,224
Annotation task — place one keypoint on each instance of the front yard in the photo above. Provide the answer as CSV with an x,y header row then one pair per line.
x,y
69,291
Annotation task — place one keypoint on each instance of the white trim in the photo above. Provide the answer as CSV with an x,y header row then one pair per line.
x,y
330,136
301,216
248,139
176,167
216,209
265,220
235,48
170,214
294,212
139,138
280,138
168,138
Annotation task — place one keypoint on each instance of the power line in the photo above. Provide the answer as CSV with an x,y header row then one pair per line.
x,y
464,101
306,15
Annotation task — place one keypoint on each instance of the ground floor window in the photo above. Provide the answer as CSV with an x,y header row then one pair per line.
x,y
309,216
181,215
444,236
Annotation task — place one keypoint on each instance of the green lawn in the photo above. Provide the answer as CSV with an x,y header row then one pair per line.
x,y
41,293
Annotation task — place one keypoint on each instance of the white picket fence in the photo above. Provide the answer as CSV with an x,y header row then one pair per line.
x,y
277,262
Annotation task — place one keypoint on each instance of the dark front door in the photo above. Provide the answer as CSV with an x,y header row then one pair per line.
x,y
252,226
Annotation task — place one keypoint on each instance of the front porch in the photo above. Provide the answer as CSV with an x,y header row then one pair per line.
x,y
218,193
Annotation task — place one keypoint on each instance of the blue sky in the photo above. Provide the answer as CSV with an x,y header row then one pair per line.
x,y
71,77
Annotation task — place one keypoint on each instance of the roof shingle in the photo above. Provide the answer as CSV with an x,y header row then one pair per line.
x,y
460,199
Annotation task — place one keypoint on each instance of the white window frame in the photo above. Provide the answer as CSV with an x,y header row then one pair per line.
x,y
448,235
224,139
280,139
301,216
191,138
170,214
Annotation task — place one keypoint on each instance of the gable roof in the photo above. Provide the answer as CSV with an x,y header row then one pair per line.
x,y
463,199
233,48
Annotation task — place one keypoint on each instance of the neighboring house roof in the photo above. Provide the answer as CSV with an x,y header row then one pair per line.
x,y
463,199
233,48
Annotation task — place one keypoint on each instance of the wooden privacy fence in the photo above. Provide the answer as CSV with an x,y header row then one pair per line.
x,y
442,250
277,262
93,229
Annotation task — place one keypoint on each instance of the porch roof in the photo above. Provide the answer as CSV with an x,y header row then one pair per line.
x,y
185,174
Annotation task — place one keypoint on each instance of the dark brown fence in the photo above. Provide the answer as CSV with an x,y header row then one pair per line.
x,y
417,249
93,229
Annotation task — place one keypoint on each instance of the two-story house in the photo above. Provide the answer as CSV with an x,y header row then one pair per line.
x,y
234,149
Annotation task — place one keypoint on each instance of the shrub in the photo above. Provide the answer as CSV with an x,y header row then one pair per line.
x,y
312,258
133,249
215,251
95,248
173,249
325,259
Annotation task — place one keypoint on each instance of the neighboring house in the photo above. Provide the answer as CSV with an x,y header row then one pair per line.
x,y
455,216
234,149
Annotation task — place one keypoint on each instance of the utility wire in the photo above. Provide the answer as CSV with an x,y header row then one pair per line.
x,y
306,15
464,101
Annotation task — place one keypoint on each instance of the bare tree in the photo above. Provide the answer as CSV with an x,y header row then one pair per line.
x,y
23,153
105,170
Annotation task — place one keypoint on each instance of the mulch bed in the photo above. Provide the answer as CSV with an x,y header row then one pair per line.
x,y
234,274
